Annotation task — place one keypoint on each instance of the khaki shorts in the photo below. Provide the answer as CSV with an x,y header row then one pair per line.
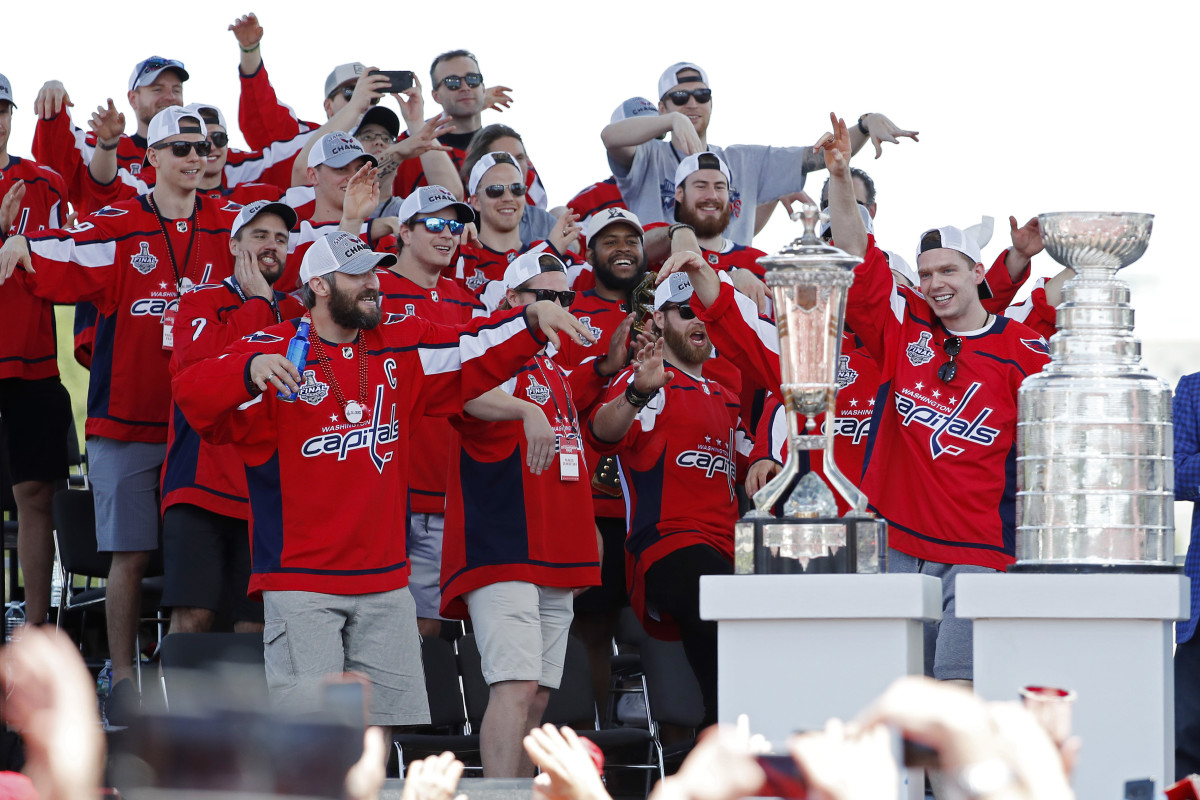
x,y
308,635
521,629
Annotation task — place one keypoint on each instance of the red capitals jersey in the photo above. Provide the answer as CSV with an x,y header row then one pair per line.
x,y
1036,312
735,256
478,265
679,463
327,494
118,258
503,523
210,318
596,197
67,150
27,344
262,118
941,459
411,174
302,237
126,187
432,440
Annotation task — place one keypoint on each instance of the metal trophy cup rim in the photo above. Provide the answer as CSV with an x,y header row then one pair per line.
x,y
1104,239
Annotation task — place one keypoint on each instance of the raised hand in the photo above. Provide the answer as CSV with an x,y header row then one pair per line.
x,y
881,129
567,769
649,372
412,106
497,98
107,123
247,30
566,231
371,85
50,99
835,145
1027,239
362,193
618,349
424,140
548,317
684,136
11,205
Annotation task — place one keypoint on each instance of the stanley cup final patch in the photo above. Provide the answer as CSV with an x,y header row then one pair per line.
x,y
143,261
536,392
919,352
311,390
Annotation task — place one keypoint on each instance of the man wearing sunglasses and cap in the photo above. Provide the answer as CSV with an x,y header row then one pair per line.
x,y
33,403
681,447
431,226
328,471
206,553
645,167
133,260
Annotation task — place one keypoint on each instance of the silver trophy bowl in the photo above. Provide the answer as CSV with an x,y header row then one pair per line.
x,y
1095,474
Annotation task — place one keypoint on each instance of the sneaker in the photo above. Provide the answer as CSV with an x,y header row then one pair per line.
x,y
124,704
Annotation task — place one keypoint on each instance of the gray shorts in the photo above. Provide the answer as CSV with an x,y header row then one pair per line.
x,y
424,545
124,477
949,644
309,635
521,629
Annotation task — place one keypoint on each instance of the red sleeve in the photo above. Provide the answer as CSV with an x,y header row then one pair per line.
x,y
873,303
56,144
212,318
742,336
210,391
770,440
1003,287
262,118
74,264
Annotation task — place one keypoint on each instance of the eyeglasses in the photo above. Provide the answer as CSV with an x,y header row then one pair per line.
x,y
564,299
219,139
947,371
680,96
348,91
496,190
437,224
181,149
382,138
685,312
454,82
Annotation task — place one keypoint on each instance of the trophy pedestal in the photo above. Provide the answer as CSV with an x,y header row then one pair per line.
x,y
787,546
1108,637
795,650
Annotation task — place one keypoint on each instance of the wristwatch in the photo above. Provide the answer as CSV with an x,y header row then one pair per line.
x,y
863,128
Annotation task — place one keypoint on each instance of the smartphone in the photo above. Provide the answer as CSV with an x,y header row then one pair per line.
x,y
401,79
784,778
343,703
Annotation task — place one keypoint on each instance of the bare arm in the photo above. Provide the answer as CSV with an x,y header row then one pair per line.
x,y
622,137
498,405
108,124
1054,286
368,88
848,229
249,35
879,129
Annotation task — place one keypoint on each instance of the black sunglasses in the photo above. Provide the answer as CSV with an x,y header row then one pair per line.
x,y
953,346
219,139
437,224
685,312
181,149
564,299
454,82
496,190
680,96
348,91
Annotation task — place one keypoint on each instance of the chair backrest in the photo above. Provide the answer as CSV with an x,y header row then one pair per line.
x,y
672,692
206,670
75,525
446,707
474,686
573,702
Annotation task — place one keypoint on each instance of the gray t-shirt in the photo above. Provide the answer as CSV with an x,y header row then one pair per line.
x,y
761,174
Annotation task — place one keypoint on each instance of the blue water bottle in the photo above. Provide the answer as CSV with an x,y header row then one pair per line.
x,y
297,353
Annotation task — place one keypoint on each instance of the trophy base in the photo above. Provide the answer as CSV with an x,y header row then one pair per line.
x,y
819,546
1094,569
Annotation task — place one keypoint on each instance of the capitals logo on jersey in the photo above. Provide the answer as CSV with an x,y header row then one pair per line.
x,y
311,390
1037,345
142,260
946,421
845,375
711,459
919,352
263,338
536,392
596,332
370,436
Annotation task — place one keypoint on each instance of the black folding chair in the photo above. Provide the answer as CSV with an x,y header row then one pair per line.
x,y
202,671
448,728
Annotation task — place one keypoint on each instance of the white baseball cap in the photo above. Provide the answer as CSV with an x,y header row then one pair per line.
x,y
898,264
677,288
612,216
670,77
949,237
252,210
428,199
172,121
341,252
863,212
698,161
343,73
634,107
528,265
337,149
487,162
196,108
146,72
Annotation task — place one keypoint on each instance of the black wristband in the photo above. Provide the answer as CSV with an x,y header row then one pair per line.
x,y
676,227
108,147
636,398
250,49
863,128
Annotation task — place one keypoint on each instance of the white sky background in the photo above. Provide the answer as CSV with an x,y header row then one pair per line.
x,y
1023,108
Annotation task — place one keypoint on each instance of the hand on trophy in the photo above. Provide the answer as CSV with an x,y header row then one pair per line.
x,y
705,282
760,473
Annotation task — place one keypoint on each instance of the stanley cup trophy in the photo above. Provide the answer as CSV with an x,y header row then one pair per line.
x,y
809,281
1095,474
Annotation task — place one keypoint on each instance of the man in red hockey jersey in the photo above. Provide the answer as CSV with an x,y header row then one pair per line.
x,y
133,260
206,551
702,200
328,471
33,403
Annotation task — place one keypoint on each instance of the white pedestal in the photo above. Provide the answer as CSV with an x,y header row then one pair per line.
x,y
1109,638
795,650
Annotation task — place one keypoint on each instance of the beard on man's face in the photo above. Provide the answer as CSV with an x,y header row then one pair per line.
x,y
706,225
344,308
610,279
